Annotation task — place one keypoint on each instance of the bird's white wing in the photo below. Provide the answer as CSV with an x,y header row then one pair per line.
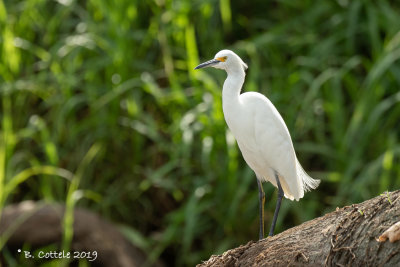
x,y
273,149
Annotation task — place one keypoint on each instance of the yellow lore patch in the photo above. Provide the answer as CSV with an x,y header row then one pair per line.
x,y
222,59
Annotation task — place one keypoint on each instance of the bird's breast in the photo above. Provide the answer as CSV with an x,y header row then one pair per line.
x,y
241,123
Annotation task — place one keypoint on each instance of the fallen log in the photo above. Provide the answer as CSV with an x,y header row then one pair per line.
x,y
350,236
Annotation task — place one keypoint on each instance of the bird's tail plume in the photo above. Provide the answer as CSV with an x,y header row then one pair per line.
x,y
308,182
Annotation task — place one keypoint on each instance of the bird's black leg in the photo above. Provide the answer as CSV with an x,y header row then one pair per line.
x,y
278,205
261,199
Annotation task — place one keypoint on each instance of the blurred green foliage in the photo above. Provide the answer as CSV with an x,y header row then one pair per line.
x,y
100,104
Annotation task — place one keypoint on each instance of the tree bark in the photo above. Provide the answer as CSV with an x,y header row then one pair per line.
x,y
346,237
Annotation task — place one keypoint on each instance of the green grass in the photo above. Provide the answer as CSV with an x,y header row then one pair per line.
x,y
104,94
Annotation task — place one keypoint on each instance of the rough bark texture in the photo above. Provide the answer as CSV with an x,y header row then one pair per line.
x,y
346,237
39,225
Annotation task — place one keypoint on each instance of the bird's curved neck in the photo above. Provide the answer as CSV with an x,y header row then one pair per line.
x,y
232,87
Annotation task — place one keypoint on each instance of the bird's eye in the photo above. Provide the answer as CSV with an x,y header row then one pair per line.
x,y
222,59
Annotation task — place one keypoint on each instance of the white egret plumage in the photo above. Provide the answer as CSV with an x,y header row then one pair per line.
x,y
262,136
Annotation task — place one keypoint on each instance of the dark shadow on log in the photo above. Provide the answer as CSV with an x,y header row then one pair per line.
x,y
346,237
41,224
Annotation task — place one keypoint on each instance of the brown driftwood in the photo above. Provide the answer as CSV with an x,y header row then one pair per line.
x,y
39,225
346,237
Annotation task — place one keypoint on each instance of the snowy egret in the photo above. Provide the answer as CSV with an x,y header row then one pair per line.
x,y
262,136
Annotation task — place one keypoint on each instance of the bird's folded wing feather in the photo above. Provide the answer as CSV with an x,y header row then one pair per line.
x,y
275,146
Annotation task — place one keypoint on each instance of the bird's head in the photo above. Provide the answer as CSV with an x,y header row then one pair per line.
x,y
226,60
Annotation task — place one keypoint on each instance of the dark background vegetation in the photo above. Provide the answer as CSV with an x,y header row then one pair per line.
x,y
101,108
